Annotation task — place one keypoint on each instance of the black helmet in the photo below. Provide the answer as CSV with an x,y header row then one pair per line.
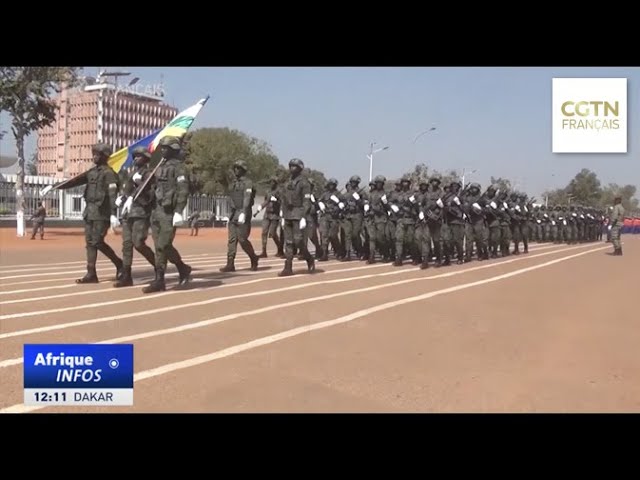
x,y
141,151
475,185
240,164
435,178
172,142
297,162
455,182
332,181
380,179
355,179
102,148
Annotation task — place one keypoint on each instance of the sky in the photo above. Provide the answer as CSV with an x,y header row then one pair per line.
x,y
496,121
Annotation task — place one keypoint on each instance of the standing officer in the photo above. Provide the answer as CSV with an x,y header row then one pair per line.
x,y
171,192
296,204
137,216
242,195
100,212
270,219
193,220
38,221
616,222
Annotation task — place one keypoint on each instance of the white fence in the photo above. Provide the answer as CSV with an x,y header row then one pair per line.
x,y
69,204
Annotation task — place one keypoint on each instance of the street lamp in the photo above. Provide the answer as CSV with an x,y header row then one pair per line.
x,y
370,157
465,173
116,75
422,133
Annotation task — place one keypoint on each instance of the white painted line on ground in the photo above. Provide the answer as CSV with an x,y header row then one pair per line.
x,y
294,332
174,292
16,361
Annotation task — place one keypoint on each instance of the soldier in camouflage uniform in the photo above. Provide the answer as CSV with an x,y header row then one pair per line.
x,y
505,224
296,205
492,215
434,215
171,193
473,207
311,231
404,205
617,221
38,221
393,218
330,206
353,218
422,238
545,222
454,218
136,215
100,195
242,195
515,215
271,218
370,224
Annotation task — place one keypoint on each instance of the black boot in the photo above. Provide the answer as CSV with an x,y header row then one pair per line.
x,y
263,254
119,270
311,264
288,269
184,273
126,280
90,277
254,263
157,285
424,265
229,267
319,253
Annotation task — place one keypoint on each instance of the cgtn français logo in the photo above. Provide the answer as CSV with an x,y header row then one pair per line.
x,y
589,115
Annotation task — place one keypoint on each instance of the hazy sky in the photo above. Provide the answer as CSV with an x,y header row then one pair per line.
x,y
495,120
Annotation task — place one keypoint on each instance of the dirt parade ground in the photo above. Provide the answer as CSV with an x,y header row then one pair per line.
x,y
555,330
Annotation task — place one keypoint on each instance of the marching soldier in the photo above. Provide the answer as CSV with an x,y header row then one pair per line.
x,y
433,212
454,218
331,205
271,218
353,218
422,237
171,192
404,205
137,216
296,204
242,195
38,221
505,224
616,222
492,214
473,207
100,196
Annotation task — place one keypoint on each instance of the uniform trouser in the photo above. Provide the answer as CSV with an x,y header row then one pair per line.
x,y
134,234
270,230
376,231
311,233
352,225
329,228
553,232
163,232
423,240
475,233
38,226
515,234
615,236
404,234
391,235
194,230
453,237
495,238
505,238
581,230
239,234
435,236
94,233
294,236
572,232
562,232
534,232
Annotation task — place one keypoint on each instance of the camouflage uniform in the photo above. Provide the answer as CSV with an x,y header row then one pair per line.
x,y
38,222
330,206
271,218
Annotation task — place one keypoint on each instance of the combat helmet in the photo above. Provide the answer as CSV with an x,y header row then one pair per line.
x,y
141,151
332,181
296,162
380,179
171,142
240,164
102,148
355,179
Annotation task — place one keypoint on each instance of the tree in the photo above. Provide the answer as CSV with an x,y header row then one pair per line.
x,y
32,166
502,183
26,94
212,151
555,197
627,193
584,188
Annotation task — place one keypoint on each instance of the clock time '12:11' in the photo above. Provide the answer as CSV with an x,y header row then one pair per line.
x,y
51,397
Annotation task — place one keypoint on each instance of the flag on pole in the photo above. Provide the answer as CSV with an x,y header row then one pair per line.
x,y
123,158
180,124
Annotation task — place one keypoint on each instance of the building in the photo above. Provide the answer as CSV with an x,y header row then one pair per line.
x,y
97,113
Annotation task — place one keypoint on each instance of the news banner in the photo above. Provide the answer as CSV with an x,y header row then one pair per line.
x,y
78,375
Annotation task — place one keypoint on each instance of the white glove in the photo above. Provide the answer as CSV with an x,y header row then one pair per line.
x,y
119,201
177,219
335,199
136,177
313,199
518,208
45,190
539,221
439,203
564,223
526,209
546,216
366,207
395,208
493,205
303,224
356,196
384,198
322,206
464,216
456,200
282,222
609,227
574,214
127,205
341,205
477,207
412,198
241,218
582,216
421,215
553,222
259,209
281,214
114,221
273,199
504,204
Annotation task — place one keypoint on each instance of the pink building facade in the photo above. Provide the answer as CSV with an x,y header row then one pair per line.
x,y
96,114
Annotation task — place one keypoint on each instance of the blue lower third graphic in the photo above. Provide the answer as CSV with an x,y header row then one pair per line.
x,y
78,374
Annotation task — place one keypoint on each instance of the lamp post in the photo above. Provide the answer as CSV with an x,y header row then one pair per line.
x,y
116,75
370,157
